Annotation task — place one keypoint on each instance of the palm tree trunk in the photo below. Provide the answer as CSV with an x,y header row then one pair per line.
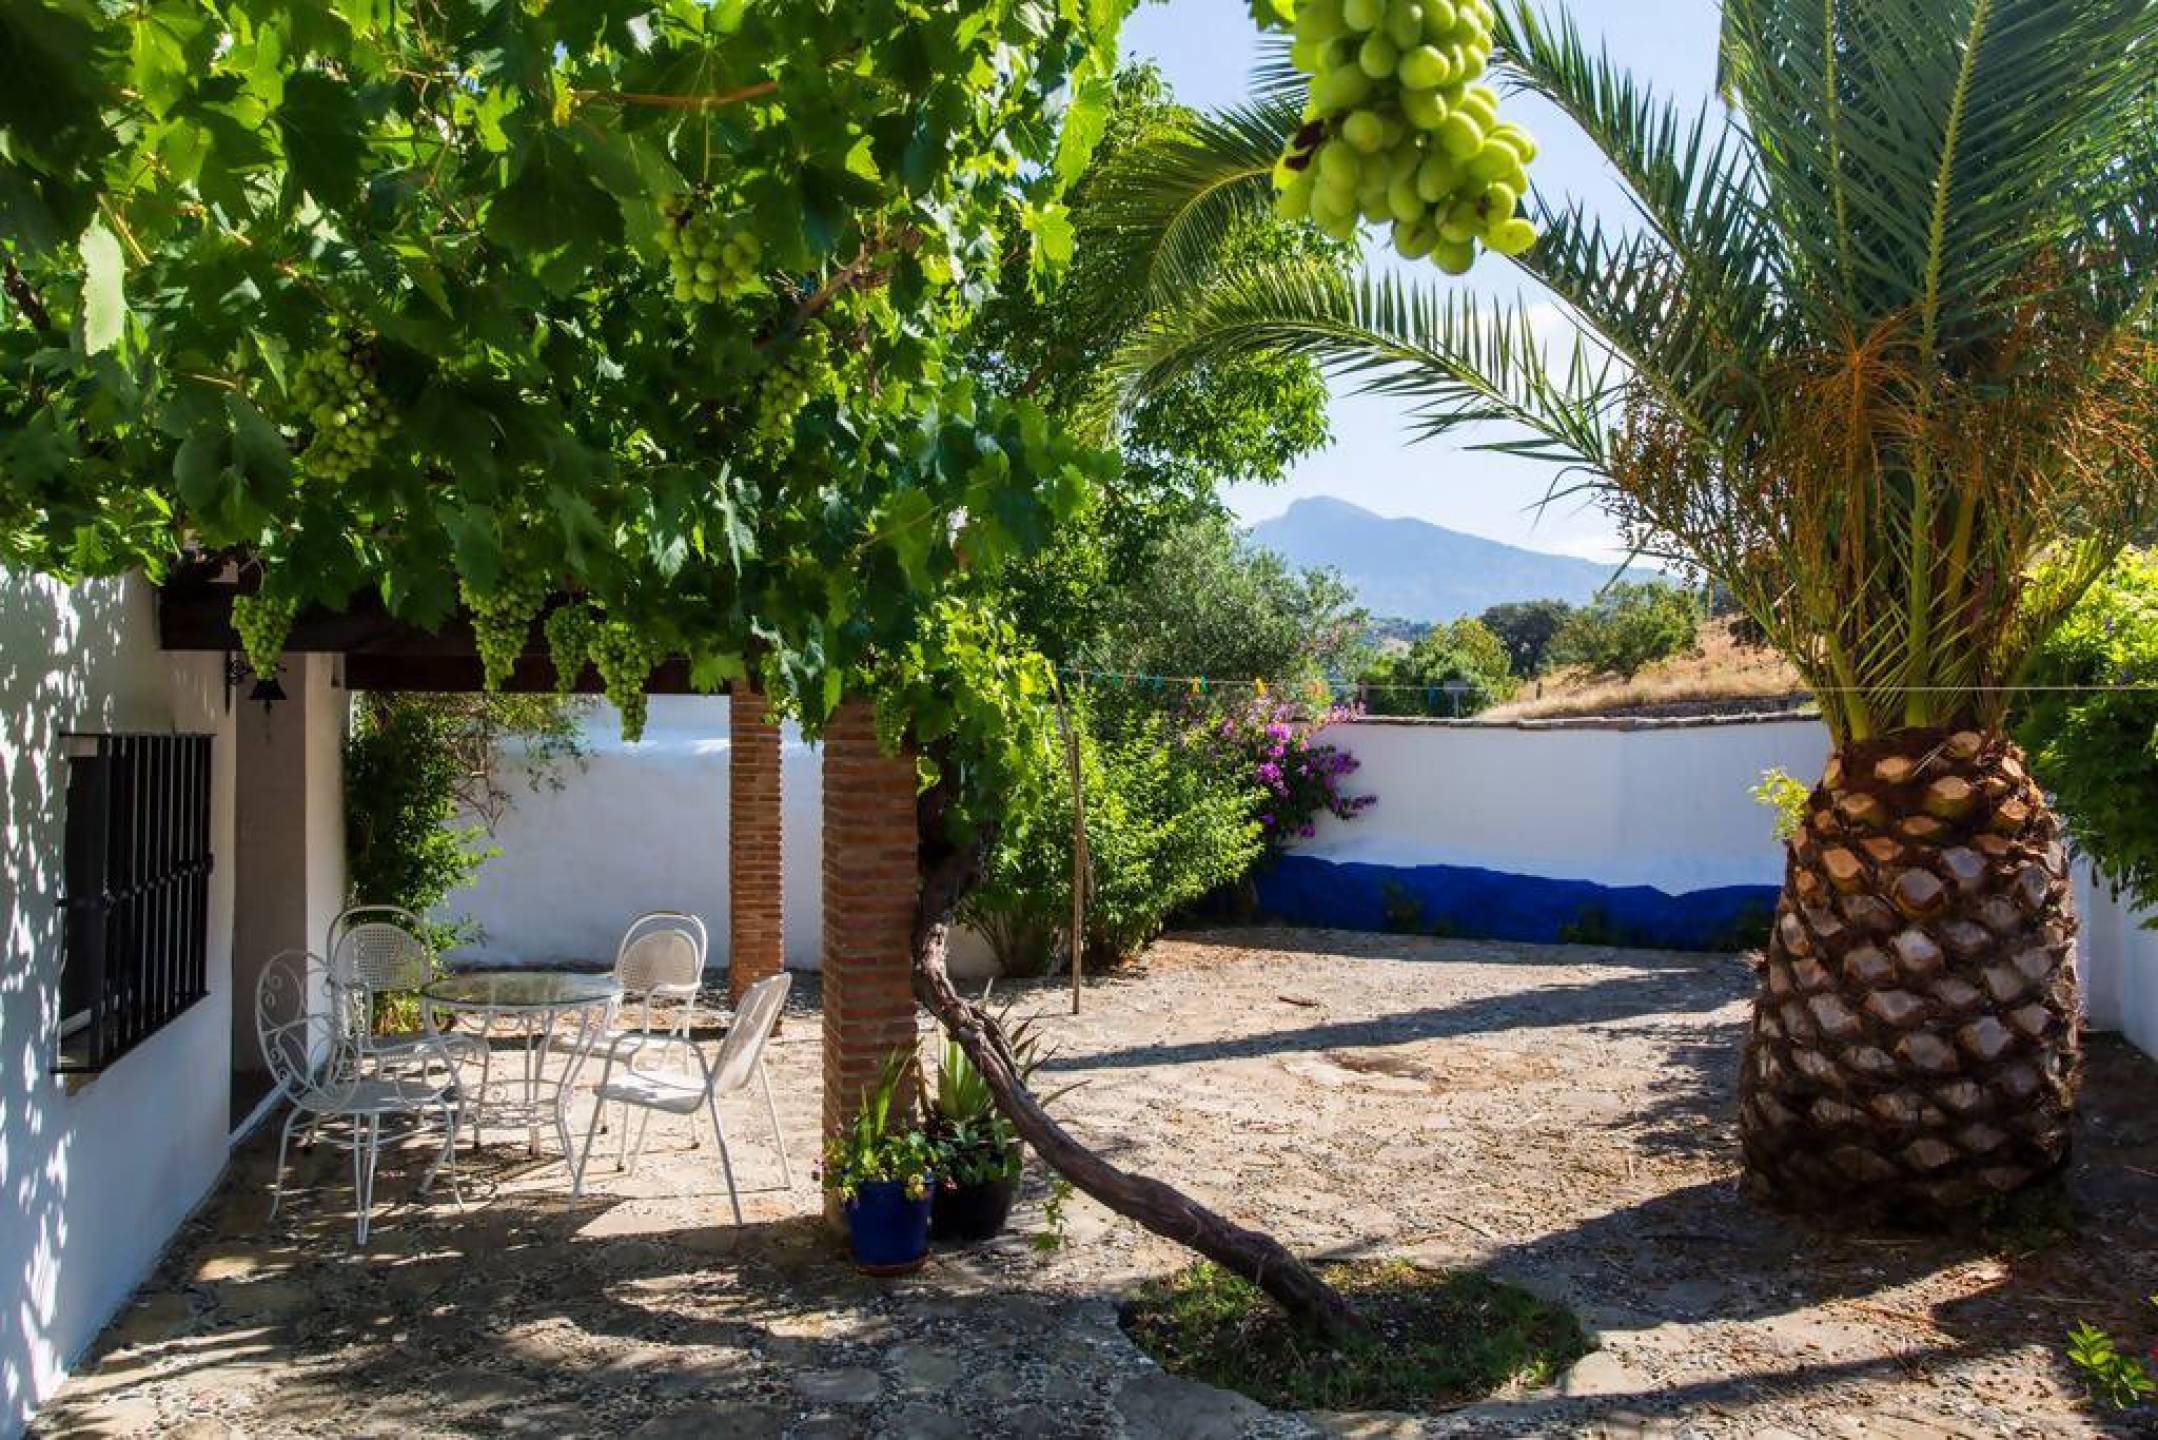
x,y
1914,1046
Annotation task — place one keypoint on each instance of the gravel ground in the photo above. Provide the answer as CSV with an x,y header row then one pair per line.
x,y
1559,1114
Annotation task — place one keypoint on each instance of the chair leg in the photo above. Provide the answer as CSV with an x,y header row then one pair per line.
x,y
447,1160
636,1151
277,1187
779,1137
726,1161
363,1167
584,1160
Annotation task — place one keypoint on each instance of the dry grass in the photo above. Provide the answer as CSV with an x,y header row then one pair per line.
x,y
1722,677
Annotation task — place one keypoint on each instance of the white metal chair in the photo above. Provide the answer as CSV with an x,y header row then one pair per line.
x,y
308,1051
379,950
677,1089
661,957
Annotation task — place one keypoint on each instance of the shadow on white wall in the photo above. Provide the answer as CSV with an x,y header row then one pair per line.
x,y
92,1182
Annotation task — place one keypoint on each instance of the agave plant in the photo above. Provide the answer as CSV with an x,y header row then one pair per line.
x,y
1876,343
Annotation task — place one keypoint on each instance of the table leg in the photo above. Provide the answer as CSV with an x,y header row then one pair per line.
x,y
535,1066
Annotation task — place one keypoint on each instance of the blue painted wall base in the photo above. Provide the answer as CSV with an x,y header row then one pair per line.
x,y
1473,904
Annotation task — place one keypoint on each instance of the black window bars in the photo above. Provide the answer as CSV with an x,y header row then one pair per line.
x,y
137,892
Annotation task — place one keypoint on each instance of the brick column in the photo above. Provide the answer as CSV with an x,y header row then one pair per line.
x,y
870,879
755,908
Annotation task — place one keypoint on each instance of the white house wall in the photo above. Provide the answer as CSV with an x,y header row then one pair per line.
x,y
92,1182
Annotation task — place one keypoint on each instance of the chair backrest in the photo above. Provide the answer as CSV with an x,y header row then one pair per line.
x,y
380,948
287,1023
753,1022
665,947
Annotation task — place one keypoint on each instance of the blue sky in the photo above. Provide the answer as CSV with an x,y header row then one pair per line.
x,y
1206,49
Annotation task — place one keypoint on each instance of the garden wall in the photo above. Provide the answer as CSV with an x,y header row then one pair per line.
x,y
2118,953
635,828
1597,831
1637,832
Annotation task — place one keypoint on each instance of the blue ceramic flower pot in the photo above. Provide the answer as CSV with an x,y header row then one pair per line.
x,y
888,1231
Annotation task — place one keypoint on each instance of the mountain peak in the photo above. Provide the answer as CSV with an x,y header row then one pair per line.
x,y
1417,570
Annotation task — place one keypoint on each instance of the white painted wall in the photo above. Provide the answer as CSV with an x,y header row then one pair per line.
x,y
640,827
1662,805
92,1183
2117,951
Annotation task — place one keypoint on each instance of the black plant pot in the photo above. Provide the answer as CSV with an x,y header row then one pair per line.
x,y
966,1214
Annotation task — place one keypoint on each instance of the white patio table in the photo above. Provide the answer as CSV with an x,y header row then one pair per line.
x,y
538,1003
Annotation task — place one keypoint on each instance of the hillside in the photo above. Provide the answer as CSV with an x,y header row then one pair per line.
x,y
1722,678
1420,571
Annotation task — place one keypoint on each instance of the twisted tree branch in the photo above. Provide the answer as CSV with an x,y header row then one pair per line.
x,y
26,298
1161,1208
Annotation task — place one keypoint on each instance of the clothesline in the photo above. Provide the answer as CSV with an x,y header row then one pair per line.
x,y
1340,688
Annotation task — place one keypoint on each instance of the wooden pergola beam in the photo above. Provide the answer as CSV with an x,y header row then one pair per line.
x,y
381,651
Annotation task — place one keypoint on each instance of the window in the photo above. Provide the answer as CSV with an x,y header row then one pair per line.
x,y
137,880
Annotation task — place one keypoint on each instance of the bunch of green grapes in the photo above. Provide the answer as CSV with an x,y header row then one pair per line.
x,y
712,257
348,419
502,621
626,658
1399,131
569,644
803,373
263,622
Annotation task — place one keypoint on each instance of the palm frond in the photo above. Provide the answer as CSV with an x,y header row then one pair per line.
x,y
1692,180
1459,359
1273,79
1922,155
1166,210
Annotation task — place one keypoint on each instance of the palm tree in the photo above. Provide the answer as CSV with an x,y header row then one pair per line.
x,y
1876,354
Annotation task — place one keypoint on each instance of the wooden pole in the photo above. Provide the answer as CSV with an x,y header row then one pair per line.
x,y
1081,870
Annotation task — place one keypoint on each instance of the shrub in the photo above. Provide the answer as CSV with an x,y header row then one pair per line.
x,y
1786,798
1168,820
401,777
1414,684
2121,1379
413,764
2096,749
1296,777
1526,628
1629,628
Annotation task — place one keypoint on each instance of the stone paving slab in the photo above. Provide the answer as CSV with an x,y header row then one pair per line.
x,y
1560,1114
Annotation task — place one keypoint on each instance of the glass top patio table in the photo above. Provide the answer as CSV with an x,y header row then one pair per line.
x,y
561,1015
511,990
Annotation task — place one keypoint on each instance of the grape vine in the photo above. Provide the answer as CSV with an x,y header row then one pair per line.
x,y
569,644
502,621
1398,131
626,655
263,622
712,257
334,390
801,374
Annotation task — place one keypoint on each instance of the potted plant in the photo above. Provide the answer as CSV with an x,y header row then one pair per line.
x,y
981,1151
884,1169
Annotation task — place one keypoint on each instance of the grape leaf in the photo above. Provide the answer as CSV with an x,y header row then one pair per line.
x,y
325,145
554,210
104,298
